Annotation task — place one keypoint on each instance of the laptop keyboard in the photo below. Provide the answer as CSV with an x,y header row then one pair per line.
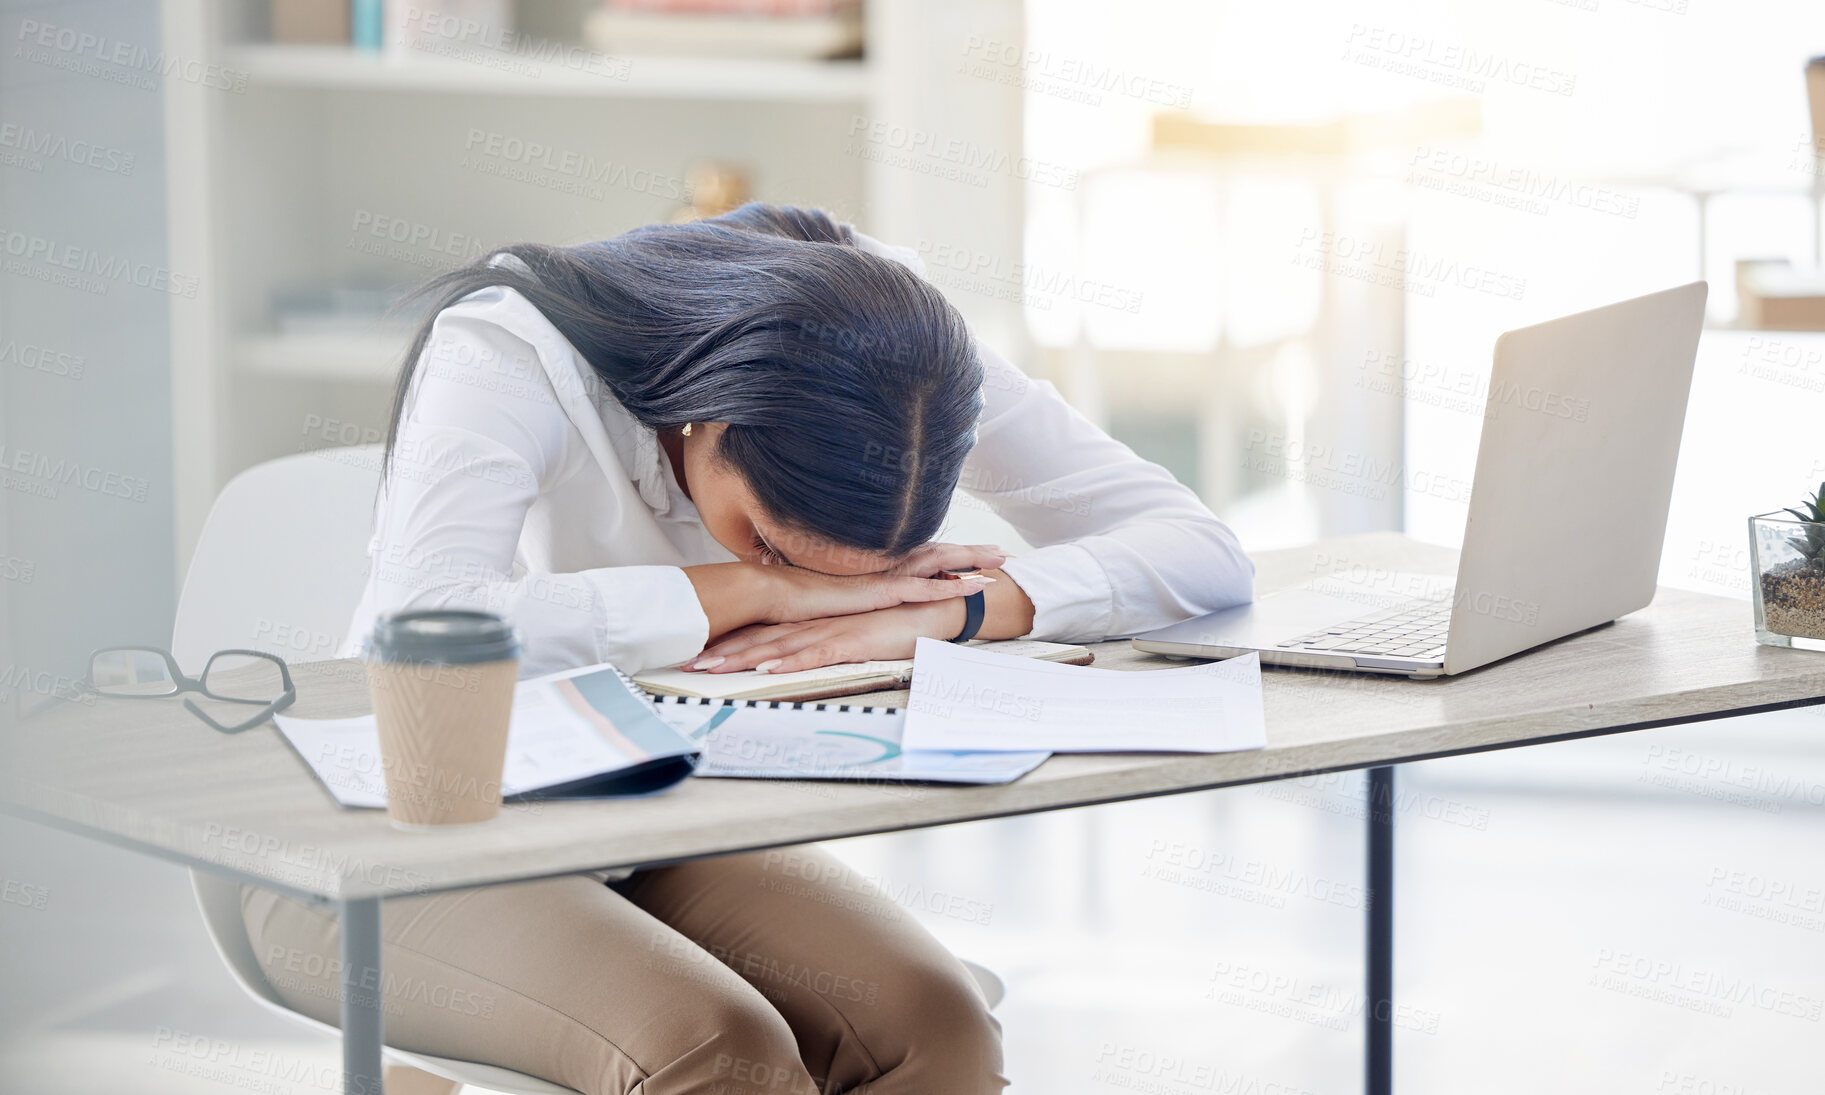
x,y
1406,631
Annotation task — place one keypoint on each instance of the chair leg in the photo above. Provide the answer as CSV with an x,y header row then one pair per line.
x,y
405,1080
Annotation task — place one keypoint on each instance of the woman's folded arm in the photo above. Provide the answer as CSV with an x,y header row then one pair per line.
x,y
468,463
446,539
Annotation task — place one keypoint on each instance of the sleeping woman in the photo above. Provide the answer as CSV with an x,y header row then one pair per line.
x,y
730,444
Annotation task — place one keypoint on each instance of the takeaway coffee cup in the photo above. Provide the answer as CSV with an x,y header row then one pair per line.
x,y
442,685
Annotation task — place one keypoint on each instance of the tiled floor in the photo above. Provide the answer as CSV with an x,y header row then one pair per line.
x,y
1642,914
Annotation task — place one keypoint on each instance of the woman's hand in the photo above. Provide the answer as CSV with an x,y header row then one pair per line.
x,y
799,594
865,636
734,595
885,633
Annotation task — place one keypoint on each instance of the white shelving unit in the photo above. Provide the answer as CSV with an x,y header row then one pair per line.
x,y
644,77
276,187
369,358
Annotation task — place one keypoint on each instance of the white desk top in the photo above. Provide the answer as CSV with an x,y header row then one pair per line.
x,y
150,776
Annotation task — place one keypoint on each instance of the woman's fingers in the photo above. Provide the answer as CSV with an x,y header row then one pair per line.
x,y
801,595
813,655
905,590
886,633
758,654
931,559
741,639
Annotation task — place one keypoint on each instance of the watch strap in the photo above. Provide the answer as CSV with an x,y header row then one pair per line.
x,y
975,607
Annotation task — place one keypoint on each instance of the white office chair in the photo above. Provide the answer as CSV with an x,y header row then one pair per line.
x,y
220,899
280,566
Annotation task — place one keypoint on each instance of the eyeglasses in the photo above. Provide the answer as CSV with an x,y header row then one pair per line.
x,y
233,676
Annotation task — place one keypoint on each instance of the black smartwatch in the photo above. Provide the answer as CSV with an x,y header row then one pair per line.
x,y
974,608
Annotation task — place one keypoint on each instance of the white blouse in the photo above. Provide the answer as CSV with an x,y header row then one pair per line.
x,y
521,485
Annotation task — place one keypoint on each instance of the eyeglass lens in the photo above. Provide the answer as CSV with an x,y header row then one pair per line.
x,y
243,677
131,673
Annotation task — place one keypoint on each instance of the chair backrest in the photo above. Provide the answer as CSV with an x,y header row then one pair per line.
x,y
220,900
280,566
282,559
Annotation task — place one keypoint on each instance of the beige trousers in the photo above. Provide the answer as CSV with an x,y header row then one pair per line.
x,y
777,972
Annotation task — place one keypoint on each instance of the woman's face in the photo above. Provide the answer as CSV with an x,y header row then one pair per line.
x,y
735,518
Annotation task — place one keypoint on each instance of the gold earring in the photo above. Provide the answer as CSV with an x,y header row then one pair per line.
x,y
687,429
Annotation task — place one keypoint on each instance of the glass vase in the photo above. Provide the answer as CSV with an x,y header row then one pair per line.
x,y
1789,588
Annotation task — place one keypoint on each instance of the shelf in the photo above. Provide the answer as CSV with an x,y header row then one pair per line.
x,y
480,72
366,357
1737,326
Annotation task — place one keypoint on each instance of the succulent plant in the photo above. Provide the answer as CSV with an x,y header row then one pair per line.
x,y
1810,540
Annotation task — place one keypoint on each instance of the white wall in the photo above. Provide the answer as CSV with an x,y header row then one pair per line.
x,y
82,182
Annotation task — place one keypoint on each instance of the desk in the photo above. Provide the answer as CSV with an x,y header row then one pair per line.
x,y
153,778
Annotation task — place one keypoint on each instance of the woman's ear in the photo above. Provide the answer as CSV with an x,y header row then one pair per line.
x,y
710,432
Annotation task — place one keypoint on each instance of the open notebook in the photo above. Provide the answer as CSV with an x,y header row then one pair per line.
x,y
832,680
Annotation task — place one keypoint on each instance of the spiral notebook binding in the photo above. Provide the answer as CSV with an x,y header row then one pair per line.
x,y
631,685
706,701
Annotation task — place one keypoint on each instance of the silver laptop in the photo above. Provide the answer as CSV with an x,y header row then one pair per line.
x,y
1568,510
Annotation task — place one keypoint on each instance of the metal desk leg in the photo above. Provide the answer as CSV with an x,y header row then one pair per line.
x,y
362,1033
1378,1032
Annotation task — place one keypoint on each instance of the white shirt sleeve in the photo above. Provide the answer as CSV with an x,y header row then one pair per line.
x,y
483,433
1123,547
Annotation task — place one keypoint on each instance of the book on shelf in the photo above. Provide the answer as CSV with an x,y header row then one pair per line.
x,y
776,29
310,22
458,29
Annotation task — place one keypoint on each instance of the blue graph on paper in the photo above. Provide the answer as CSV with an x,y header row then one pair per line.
x,y
825,742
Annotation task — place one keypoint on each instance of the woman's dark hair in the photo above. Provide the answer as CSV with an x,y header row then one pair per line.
x,y
850,385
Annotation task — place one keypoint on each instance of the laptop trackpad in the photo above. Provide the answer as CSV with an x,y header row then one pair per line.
x,y
1269,621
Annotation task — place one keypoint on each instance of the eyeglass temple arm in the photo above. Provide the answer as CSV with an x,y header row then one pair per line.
x,y
235,729
273,707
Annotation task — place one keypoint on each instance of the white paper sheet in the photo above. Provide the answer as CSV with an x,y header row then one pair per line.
x,y
823,742
977,700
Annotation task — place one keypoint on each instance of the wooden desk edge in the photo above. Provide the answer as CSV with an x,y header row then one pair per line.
x,y
1018,798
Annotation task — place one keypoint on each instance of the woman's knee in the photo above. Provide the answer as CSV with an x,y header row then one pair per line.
x,y
730,1043
952,1043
